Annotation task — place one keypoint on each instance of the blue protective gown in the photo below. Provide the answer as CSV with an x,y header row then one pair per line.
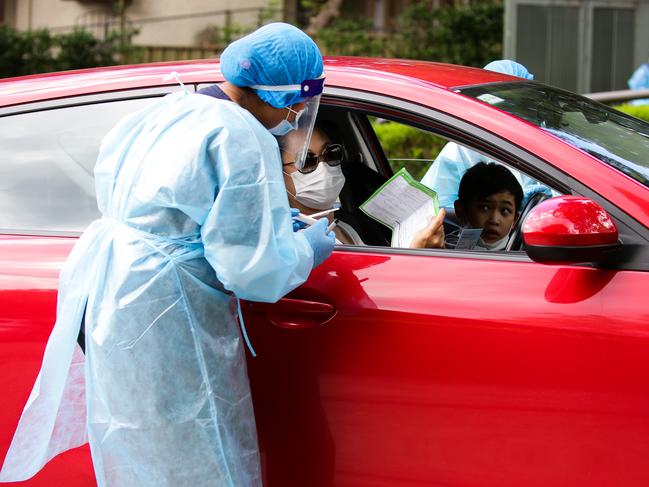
x,y
194,209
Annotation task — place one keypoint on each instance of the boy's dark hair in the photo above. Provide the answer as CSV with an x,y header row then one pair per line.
x,y
483,180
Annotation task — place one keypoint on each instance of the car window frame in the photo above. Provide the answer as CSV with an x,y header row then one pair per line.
x,y
632,233
78,101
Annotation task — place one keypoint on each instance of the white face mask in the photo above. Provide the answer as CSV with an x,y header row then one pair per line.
x,y
497,245
318,189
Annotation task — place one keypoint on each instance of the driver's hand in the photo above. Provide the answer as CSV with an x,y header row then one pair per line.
x,y
431,236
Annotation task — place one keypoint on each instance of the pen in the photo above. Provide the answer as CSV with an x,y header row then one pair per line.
x,y
310,221
323,213
305,218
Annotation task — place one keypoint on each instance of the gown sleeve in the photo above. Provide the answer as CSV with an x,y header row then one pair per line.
x,y
446,172
248,234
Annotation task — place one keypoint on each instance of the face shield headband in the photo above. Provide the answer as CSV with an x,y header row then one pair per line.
x,y
309,94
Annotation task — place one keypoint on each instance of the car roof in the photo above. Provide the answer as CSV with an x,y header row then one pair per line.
x,y
40,87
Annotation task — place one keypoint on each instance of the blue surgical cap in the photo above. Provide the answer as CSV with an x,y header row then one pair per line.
x,y
505,66
276,54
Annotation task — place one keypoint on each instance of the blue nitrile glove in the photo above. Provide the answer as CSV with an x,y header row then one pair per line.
x,y
297,224
321,241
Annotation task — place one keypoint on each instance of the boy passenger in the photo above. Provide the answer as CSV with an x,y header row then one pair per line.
x,y
489,198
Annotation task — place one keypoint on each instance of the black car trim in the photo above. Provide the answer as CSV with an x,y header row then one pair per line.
x,y
518,256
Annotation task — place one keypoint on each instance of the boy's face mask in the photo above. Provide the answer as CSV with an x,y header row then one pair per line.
x,y
497,245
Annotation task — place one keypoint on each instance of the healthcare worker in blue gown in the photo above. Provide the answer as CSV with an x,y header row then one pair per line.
x,y
453,160
194,216
639,80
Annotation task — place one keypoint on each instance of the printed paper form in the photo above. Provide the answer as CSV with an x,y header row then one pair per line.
x,y
404,232
404,205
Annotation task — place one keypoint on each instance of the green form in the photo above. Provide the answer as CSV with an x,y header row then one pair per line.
x,y
404,205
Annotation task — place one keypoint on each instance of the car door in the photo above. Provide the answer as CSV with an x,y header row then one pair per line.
x,y
439,367
47,154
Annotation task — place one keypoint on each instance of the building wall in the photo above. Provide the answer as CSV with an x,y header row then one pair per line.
x,y
183,30
584,46
35,14
160,22
641,51
384,13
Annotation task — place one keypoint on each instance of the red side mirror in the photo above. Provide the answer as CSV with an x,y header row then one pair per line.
x,y
569,229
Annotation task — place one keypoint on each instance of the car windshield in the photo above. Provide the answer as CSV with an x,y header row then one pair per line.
x,y
607,134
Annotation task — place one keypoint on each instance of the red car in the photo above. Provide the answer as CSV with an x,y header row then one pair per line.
x,y
389,366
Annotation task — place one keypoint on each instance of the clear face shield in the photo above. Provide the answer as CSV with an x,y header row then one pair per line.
x,y
298,140
294,133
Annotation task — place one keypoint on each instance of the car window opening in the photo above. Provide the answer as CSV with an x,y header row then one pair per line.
x,y
613,137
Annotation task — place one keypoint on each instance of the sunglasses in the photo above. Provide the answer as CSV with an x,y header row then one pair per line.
x,y
332,155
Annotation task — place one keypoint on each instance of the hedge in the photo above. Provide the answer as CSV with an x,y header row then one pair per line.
x,y
466,34
401,142
638,111
40,51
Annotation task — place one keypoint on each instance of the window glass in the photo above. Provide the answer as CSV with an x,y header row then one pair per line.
x,y
407,146
47,160
490,208
605,133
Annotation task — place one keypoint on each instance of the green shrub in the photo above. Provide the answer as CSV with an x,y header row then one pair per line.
x,y
40,51
353,37
37,48
80,49
638,111
470,35
25,52
408,147
11,51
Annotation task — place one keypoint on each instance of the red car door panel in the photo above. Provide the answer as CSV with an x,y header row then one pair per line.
x,y
456,371
29,272
413,370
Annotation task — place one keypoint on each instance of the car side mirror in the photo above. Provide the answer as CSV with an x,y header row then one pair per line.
x,y
569,230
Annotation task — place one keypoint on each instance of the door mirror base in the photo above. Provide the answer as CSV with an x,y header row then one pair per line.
x,y
571,255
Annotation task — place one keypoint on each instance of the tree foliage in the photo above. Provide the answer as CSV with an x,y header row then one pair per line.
x,y
81,49
40,51
220,36
407,146
353,37
470,34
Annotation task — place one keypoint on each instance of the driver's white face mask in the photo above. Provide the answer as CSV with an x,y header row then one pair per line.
x,y
318,189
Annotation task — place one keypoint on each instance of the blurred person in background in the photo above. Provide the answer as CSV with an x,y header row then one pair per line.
x,y
639,80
